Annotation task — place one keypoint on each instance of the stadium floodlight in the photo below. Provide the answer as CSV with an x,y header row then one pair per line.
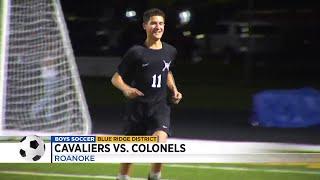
x,y
185,17
130,13
40,87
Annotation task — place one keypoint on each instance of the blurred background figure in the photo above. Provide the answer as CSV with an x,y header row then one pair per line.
x,y
44,107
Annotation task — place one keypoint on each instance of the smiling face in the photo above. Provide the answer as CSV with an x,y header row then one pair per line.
x,y
154,27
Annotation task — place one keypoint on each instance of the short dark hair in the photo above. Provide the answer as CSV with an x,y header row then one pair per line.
x,y
152,12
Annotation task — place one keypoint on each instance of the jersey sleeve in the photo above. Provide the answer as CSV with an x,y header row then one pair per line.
x,y
174,53
128,63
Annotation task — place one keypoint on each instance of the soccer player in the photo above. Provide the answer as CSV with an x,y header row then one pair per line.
x,y
144,77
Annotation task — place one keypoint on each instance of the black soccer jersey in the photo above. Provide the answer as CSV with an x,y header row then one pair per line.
x,y
147,70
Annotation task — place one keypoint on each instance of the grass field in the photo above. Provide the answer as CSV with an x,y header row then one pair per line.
x,y
171,171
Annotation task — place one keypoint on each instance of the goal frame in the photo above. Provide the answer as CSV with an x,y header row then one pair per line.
x,y
5,23
71,58
5,15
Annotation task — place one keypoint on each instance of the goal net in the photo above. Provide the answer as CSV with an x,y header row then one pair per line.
x,y
40,88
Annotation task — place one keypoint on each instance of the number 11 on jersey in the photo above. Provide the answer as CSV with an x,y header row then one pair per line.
x,y
156,84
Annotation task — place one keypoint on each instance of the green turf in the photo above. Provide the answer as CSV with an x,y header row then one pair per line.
x,y
17,177
198,172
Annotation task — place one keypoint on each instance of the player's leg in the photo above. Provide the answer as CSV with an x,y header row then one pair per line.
x,y
156,168
160,126
124,171
133,116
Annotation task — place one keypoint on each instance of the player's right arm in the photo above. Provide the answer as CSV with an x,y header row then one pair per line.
x,y
127,65
128,91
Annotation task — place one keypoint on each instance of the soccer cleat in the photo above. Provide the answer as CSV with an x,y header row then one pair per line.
x,y
153,178
123,177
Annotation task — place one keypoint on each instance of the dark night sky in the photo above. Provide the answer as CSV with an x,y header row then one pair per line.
x,y
97,15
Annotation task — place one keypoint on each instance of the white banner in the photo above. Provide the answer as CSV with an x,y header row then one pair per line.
x,y
112,149
10,153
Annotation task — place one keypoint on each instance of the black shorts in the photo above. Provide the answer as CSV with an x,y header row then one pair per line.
x,y
145,118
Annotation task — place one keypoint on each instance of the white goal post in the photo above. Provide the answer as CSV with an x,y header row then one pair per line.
x,y
40,87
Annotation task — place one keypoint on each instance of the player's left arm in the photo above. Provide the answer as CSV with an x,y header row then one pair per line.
x,y
176,95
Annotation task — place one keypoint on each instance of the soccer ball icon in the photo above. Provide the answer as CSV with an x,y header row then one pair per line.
x,y
31,148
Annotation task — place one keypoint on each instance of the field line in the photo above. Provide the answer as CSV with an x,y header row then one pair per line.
x,y
63,175
244,169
